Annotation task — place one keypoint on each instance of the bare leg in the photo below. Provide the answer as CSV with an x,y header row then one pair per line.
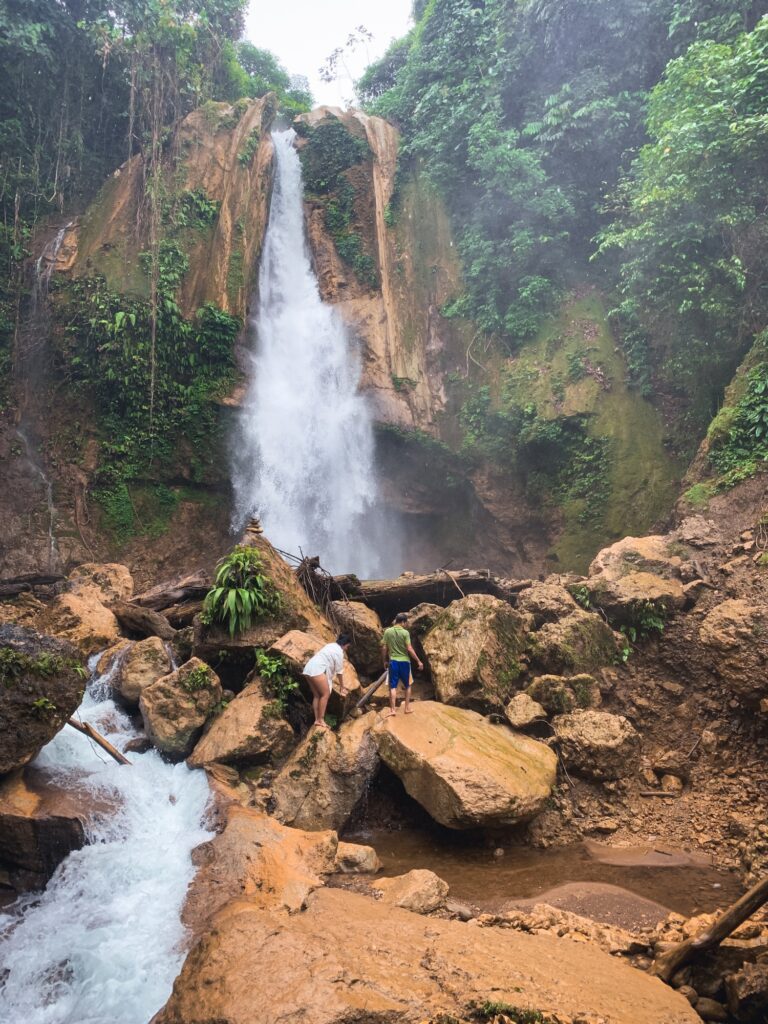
x,y
408,708
320,694
322,705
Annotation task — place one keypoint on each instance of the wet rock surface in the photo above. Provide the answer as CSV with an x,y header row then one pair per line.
x,y
41,685
463,770
177,706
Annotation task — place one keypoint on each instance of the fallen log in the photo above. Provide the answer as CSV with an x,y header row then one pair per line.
x,y
181,615
36,579
173,592
388,597
370,691
88,730
14,589
142,622
666,965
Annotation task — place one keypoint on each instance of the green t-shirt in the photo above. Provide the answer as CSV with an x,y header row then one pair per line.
x,y
397,640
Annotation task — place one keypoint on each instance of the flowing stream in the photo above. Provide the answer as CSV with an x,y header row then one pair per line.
x,y
104,942
304,460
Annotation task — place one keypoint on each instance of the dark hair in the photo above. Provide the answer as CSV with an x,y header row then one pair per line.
x,y
343,638
401,617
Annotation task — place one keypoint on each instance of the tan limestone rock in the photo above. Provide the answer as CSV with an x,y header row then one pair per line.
x,y
731,635
82,620
364,626
523,711
546,602
110,581
250,730
635,554
344,958
580,642
464,771
327,774
142,664
177,706
419,891
597,744
473,651
620,598
352,858
558,694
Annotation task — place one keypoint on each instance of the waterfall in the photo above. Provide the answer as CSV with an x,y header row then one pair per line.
x,y
105,942
304,459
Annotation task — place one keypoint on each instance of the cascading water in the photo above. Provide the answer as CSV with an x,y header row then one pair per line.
x,y
304,461
104,942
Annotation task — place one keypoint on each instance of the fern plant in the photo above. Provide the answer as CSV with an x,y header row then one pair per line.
x,y
242,592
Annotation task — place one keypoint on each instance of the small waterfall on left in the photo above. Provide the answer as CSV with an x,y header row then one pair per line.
x,y
104,942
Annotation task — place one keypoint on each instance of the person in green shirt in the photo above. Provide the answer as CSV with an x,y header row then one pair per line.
x,y
397,652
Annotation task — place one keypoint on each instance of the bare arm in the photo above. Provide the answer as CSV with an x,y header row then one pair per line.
x,y
416,658
385,654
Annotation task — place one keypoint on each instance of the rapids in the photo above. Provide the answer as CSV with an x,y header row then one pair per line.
x,y
103,943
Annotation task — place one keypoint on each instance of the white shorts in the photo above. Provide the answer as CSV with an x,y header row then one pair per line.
x,y
317,667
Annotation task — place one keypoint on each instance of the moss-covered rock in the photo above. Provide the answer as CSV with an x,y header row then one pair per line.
x,y
581,642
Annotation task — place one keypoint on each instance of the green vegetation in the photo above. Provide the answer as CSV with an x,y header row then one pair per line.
x,y
14,665
241,593
278,682
331,151
198,678
248,151
505,1013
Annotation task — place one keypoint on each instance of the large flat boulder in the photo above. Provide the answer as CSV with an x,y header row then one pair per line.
x,y
325,778
177,706
473,651
364,626
41,685
343,960
636,554
110,581
250,730
464,771
597,744
730,635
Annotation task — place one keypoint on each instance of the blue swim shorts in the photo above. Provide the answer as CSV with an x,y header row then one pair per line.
x,y
399,671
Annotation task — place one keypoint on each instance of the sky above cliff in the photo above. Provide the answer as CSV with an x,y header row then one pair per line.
x,y
303,33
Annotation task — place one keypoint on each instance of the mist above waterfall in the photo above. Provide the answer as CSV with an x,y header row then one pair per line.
x,y
304,451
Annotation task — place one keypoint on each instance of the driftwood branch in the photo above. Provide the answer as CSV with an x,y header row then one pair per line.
x,y
142,621
174,592
88,730
666,965
370,691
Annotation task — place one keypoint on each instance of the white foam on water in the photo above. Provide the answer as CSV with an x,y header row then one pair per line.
x,y
104,942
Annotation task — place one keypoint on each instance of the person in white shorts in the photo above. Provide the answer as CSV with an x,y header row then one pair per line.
x,y
319,673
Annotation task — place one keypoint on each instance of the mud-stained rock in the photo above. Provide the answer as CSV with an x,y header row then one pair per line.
x,y
581,642
82,619
40,825
250,730
353,858
139,665
364,626
111,581
419,891
597,744
559,694
297,648
422,618
41,685
698,532
257,859
474,651
747,992
636,554
303,966
546,602
731,635
523,711
624,599
463,770
176,707
326,776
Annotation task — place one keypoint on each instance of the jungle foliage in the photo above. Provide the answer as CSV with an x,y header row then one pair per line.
x,y
564,132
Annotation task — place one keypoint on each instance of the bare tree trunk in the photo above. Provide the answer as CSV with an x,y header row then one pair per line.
x,y
89,731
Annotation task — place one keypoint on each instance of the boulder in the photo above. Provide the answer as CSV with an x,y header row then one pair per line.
x,y
422,618
463,770
41,685
364,626
559,694
731,634
523,711
250,730
747,992
546,602
177,706
108,581
474,651
581,642
354,859
297,648
419,891
40,825
597,744
82,619
636,554
698,532
326,776
345,957
624,599
139,665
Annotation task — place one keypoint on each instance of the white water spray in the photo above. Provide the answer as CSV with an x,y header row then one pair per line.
x,y
305,456
104,942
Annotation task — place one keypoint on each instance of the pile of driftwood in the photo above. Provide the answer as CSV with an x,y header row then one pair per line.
x,y
15,585
164,608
